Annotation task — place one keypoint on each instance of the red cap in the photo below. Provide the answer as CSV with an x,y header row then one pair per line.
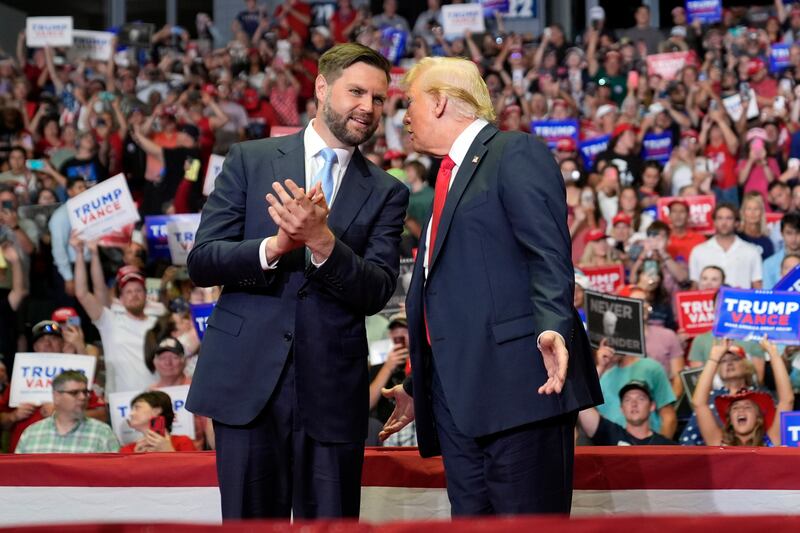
x,y
511,109
567,144
62,314
595,235
691,134
559,102
209,88
761,399
393,154
621,218
250,99
738,351
128,273
754,66
622,128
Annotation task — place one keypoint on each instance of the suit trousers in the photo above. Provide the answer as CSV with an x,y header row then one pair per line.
x,y
271,468
522,470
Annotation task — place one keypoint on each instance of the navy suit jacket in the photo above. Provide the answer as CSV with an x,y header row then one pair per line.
x,y
317,312
501,273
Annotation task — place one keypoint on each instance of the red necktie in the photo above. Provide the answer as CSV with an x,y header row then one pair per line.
x,y
439,197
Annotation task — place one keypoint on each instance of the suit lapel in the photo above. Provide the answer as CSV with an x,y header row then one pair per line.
x,y
465,173
353,192
291,161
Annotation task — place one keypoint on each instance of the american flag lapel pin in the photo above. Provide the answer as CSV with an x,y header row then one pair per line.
x,y
475,160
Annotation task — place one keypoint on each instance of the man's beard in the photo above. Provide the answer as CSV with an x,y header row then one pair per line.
x,y
337,123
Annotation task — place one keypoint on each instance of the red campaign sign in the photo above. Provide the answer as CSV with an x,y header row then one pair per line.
x,y
695,311
119,238
668,65
395,83
605,279
701,209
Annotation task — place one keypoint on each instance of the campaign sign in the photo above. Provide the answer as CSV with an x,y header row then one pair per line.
x,y
774,222
606,279
617,319
706,11
91,45
181,230
458,18
689,378
751,314
695,311
657,146
213,168
779,58
668,65
152,287
701,209
200,314
396,81
119,409
790,282
102,208
490,7
48,31
283,131
156,233
551,131
397,300
33,373
591,148
790,429
118,238
393,44
379,350
733,106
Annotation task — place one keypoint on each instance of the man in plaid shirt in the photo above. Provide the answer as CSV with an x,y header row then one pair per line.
x,y
68,430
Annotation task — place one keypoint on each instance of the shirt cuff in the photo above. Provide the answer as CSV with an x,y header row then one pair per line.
x,y
314,261
262,256
539,347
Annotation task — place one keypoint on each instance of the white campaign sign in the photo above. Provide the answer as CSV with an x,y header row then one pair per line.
x,y
458,18
91,45
33,373
48,31
180,236
119,408
213,169
102,209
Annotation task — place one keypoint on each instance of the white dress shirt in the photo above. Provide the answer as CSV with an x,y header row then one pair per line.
x,y
313,145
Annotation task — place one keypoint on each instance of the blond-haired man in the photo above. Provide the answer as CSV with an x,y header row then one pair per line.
x,y
500,360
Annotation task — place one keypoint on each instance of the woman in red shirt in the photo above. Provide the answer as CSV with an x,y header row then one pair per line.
x,y
144,408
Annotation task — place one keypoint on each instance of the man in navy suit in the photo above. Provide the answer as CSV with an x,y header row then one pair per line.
x,y
500,362
283,366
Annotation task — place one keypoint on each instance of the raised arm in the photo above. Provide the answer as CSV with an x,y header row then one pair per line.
x,y
19,289
90,302
783,386
709,429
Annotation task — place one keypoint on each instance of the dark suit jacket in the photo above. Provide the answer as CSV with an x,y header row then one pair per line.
x,y
500,274
320,312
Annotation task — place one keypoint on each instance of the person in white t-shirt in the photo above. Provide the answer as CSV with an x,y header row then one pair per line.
x,y
122,334
740,260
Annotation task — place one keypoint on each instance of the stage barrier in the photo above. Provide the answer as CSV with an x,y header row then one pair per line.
x,y
399,485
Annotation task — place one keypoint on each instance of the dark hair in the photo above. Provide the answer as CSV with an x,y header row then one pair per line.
x,y
718,269
67,376
160,400
18,148
342,56
419,167
728,206
658,226
776,184
792,218
74,181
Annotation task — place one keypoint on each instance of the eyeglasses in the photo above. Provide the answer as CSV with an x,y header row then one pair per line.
x,y
75,393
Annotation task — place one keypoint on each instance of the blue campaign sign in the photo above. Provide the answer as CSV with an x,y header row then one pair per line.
x,y
591,148
156,231
200,314
394,44
751,314
790,429
657,146
707,11
790,282
490,7
552,130
779,58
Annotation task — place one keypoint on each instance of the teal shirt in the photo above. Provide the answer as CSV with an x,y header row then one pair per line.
x,y
646,370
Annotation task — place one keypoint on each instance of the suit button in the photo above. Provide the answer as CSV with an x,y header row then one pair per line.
x,y
288,337
302,295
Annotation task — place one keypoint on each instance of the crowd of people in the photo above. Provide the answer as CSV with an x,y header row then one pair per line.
x,y
156,114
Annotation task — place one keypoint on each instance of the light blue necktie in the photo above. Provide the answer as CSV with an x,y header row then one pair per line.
x,y
325,175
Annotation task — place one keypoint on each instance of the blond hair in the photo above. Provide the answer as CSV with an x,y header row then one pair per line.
x,y
458,79
755,196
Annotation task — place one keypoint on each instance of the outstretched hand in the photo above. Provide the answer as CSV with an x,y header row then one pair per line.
x,y
556,360
403,413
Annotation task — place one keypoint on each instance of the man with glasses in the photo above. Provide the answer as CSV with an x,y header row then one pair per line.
x,y
69,430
